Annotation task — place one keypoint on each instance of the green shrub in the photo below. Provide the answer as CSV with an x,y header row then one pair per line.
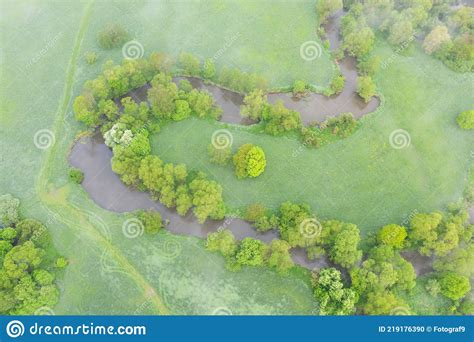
x,y
76,175
112,36
465,120
90,57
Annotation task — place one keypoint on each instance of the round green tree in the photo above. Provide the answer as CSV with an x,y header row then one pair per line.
x,y
465,120
249,161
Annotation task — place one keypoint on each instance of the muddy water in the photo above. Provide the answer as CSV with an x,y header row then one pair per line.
x,y
92,156
422,264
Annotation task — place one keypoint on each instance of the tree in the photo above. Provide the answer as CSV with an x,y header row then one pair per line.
x,y
254,212
433,287
184,200
151,221
118,134
222,241
297,225
249,161
437,37
255,105
189,63
365,87
344,251
151,172
454,286
21,259
460,260
401,32
219,156
369,66
160,62
279,257
182,110
359,42
112,36
329,290
209,70
207,199
9,210
392,235
299,88
76,175
279,119
337,84
85,111
161,96
251,252
31,229
465,120
385,303
326,8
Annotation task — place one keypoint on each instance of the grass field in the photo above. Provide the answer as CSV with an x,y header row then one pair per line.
x,y
42,70
249,35
362,179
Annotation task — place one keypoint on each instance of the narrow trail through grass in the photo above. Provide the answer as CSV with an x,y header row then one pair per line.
x,y
77,219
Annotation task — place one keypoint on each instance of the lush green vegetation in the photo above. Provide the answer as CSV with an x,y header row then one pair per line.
x,y
29,263
142,275
159,272
345,171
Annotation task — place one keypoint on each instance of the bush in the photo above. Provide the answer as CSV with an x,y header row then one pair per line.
x,y
151,221
365,87
251,252
76,175
337,84
299,88
465,120
90,57
112,36
249,161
